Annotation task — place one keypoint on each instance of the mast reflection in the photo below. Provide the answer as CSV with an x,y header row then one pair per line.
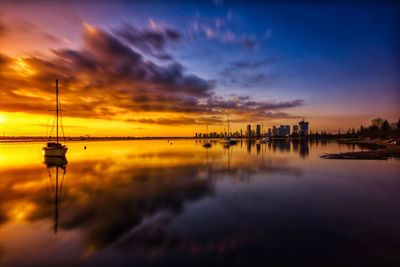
x,y
54,165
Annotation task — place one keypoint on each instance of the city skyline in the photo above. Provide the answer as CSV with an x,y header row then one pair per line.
x,y
147,69
301,129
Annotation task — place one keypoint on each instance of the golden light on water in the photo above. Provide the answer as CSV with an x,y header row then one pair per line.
x,y
21,211
110,183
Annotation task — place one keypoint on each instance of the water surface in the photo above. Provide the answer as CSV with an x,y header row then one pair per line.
x,y
134,203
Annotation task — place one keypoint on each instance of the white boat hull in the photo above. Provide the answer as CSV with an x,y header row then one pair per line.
x,y
228,142
54,151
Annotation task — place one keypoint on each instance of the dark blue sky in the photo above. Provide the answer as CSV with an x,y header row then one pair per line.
x,y
327,53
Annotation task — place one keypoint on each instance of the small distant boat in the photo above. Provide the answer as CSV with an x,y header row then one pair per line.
x,y
228,141
262,140
207,144
55,149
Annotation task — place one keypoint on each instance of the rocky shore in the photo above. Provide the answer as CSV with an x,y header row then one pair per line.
x,y
379,150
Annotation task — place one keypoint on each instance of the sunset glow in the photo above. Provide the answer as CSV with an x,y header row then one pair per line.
x,y
126,69
2,118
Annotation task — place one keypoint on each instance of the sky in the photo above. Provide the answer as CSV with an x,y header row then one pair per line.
x,y
157,68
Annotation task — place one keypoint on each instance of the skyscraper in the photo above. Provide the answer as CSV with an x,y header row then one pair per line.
x,y
295,129
258,131
303,125
287,130
248,130
281,130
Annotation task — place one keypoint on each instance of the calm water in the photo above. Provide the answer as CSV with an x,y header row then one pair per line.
x,y
151,203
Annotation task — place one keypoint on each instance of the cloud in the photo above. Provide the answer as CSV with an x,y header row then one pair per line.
x,y
3,60
182,120
151,42
110,77
222,29
246,65
105,68
247,42
245,106
14,31
246,73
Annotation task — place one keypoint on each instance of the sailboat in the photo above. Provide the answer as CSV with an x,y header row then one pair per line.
x,y
263,140
55,149
227,141
207,144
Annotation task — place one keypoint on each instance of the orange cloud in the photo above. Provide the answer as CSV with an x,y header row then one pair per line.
x,y
113,76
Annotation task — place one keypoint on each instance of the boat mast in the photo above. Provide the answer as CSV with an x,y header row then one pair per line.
x,y
228,126
57,106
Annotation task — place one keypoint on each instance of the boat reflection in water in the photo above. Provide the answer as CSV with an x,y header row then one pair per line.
x,y
55,167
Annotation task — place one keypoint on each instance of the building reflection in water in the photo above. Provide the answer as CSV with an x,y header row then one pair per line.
x,y
55,165
304,148
249,146
300,146
295,144
281,145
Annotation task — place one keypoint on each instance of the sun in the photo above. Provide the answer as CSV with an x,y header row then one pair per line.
x,y
2,118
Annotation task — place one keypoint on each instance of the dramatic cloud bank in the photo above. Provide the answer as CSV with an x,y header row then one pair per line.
x,y
125,74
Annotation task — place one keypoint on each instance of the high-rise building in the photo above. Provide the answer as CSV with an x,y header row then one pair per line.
x,y
258,131
295,129
303,126
269,132
287,130
281,130
249,130
274,131
284,130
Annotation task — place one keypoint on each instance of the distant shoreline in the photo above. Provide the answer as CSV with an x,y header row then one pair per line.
x,y
15,139
380,150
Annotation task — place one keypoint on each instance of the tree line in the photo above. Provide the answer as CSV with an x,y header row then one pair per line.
x,y
379,128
